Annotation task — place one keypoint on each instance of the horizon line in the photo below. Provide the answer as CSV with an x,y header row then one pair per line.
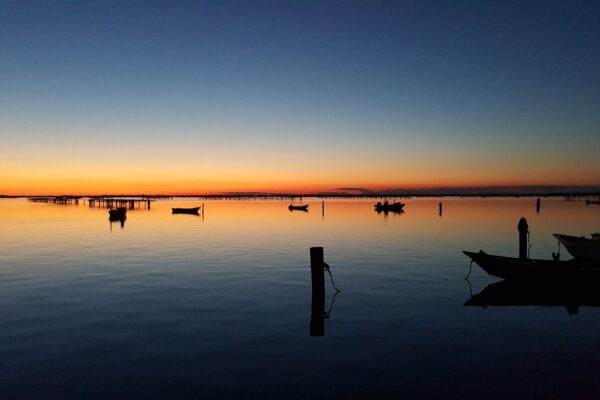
x,y
491,190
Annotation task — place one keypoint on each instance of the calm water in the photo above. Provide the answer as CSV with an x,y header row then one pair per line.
x,y
180,306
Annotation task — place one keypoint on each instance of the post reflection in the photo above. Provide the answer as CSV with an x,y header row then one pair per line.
x,y
318,313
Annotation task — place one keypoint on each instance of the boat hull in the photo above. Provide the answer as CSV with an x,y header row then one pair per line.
x,y
531,270
194,210
118,213
298,208
395,207
584,250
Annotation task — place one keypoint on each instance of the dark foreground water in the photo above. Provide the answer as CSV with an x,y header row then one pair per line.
x,y
183,306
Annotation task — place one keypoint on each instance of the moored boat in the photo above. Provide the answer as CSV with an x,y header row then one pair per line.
x,y
386,207
117,213
583,249
292,207
529,269
192,210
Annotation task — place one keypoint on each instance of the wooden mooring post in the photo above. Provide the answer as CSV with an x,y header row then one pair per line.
x,y
523,228
317,273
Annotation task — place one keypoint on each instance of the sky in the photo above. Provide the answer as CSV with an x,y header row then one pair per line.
x,y
202,97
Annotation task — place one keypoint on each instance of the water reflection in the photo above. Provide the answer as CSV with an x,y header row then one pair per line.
x,y
169,297
387,212
570,294
117,218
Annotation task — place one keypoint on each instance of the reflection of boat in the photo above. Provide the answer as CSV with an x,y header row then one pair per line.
x,y
571,294
193,210
118,213
583,249
387,207
292,207
531,270
120,219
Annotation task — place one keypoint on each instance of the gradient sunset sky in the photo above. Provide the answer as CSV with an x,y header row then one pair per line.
x,y
198,97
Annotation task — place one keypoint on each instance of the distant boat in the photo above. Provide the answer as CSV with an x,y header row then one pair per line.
x,y
588,202
292,207
531,270
193,210
386,207
583,249
118,213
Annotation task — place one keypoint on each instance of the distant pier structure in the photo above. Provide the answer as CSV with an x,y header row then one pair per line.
x,y
110,202
297,197
251,197
55,199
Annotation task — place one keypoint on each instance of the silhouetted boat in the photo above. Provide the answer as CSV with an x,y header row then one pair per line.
x,y
117,213
571,294
531,270
583,249
588,202
386,207
298,208
193,210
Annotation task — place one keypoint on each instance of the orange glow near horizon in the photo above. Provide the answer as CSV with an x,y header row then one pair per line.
x,y
87,162
32,187
52,170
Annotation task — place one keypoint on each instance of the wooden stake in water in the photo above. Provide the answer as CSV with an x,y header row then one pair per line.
x,y
523,228
317,273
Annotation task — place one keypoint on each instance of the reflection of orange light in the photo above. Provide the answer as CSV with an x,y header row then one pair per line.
x,y
466,224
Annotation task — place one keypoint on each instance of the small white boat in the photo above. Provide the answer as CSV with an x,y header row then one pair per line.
x,y
583,249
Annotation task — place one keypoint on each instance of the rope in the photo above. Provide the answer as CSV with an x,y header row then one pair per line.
x,y
529,242
328,269
469,274
556,256
327,314
470,287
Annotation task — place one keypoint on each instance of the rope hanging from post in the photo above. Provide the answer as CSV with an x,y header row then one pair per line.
x,y
470,268
327,314
470,287
328,269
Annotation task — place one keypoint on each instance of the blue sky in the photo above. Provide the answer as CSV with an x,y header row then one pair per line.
x,y
430,82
